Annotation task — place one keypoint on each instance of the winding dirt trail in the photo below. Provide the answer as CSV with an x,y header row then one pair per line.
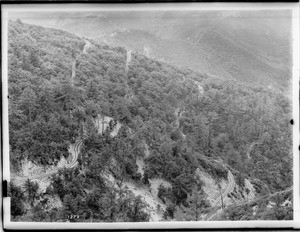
x,y
215,204
250,149
128,59
230,188
84,51
86,46
213,212
74,149
267,195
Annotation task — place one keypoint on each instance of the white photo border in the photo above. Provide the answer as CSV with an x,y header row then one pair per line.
x,y
294,7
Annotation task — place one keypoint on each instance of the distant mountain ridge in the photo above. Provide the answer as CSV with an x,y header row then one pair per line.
x,y
252,46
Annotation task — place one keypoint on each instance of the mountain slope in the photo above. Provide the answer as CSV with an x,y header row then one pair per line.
x,y
249,46
275,206
177,121
212,53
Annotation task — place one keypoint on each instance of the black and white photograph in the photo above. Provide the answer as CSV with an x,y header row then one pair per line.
x,y
153,114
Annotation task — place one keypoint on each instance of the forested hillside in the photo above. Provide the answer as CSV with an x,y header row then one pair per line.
x,y
252,46
189,121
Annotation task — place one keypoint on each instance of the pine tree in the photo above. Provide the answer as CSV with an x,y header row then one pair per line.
x,y
34,59
17,200
31,189
28,102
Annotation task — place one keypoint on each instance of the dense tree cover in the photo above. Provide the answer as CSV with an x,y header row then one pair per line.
x,y
84,197
48,110
28,204
40,95
102,153
91,199
17,200
195,207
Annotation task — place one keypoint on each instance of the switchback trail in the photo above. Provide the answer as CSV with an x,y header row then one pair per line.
x,y
74,149
267,195
214,210
230,188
